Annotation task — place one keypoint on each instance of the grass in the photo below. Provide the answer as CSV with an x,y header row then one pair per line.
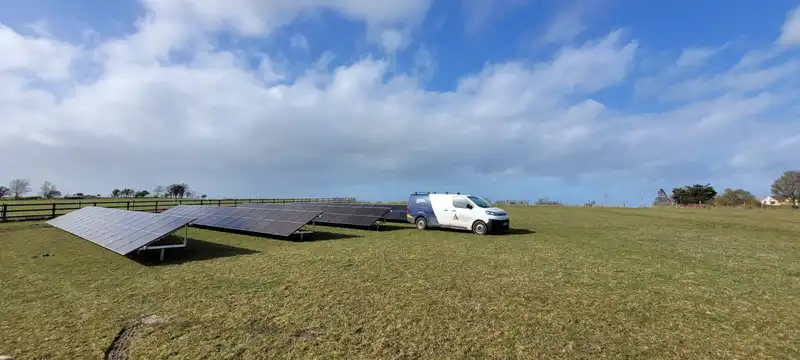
x,y
585,283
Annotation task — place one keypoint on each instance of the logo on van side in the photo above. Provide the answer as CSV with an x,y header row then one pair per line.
x,y
420,200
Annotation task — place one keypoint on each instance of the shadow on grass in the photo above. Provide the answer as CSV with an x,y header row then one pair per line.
x,y
512,231
395,227
518,231
325,235
315,236
382,227
195,250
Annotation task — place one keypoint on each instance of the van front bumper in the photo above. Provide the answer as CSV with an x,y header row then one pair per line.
x,y
498,226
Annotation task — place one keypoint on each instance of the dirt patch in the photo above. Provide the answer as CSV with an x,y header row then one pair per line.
x,y
306,333
262,326
118,350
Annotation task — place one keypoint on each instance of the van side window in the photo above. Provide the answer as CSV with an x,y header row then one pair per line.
x,y
460,203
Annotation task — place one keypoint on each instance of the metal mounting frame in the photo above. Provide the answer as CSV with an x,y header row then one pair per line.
x,y
163,248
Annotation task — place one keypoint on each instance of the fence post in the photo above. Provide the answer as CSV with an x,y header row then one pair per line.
x,y
54,210
201,201
128,206
5,208
219,202
79,204
156,207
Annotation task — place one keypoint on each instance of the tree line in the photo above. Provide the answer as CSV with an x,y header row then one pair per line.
x,y
170,191
787,185
17,189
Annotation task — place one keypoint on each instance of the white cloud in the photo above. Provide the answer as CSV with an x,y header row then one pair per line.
x,y
393,40
571,20
735,81
479,13
299,42
37,56
424,64
698,56
228,127
790,32
182,18
565,26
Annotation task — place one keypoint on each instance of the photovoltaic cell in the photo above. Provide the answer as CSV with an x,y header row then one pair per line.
x,y
121,231
277,220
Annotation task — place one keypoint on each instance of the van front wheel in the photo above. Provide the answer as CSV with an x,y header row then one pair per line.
x,y
479,227
421,223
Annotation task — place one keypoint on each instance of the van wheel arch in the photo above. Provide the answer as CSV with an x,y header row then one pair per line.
x,y
421,222
479,227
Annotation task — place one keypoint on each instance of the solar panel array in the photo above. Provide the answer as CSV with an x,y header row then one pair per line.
x,y
278,221
333,214
397,212
121,231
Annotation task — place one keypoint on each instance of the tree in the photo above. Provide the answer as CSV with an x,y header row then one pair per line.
x,y
141,194
736,197
177,190
158,190
203,196
189,194
4,191
19,187
788,185
115,193
662,199
49,190
695,194
128,192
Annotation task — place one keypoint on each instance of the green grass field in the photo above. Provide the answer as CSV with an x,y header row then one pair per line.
x,y
568,283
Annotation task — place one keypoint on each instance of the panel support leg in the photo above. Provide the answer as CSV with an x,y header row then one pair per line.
x,y
161,256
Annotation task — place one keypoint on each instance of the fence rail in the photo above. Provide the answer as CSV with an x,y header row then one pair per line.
x,y
42,211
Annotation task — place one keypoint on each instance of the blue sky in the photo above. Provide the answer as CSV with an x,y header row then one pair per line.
x,y
605,100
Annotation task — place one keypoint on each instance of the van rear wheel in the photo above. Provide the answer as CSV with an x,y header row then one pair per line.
x,y
422,224
479,227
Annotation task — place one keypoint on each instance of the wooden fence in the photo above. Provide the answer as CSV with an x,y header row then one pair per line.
x,y
41,211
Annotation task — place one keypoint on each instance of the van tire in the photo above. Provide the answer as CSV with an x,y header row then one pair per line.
x,y
479,227
421,223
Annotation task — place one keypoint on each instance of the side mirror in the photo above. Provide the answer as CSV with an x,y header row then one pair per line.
x,y
469,206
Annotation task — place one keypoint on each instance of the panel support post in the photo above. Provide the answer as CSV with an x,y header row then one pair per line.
x,y
161,256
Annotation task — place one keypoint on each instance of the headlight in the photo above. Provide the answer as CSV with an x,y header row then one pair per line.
x,y
493,213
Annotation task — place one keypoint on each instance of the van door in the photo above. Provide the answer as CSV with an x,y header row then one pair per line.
x,y
462,215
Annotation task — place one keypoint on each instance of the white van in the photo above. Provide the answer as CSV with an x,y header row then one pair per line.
x,y
455,211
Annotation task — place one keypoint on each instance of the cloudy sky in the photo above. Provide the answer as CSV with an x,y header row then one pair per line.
x,y
511,99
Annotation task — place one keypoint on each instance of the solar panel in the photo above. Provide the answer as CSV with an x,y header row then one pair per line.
x,y
189,210
334,214
397,212
121,231
277,220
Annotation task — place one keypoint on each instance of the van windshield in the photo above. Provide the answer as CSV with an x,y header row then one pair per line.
x,y
480,202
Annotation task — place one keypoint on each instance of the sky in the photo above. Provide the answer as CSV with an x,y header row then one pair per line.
x,y
604,100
